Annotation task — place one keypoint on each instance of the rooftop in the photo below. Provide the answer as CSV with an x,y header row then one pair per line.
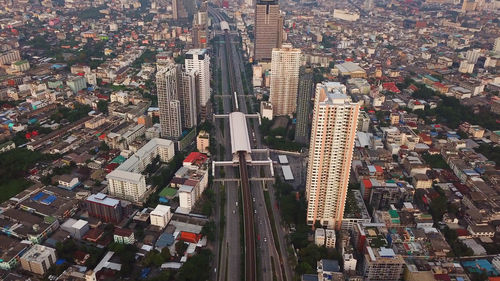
x,y
348,67
160,210
38,253
239,133
101,198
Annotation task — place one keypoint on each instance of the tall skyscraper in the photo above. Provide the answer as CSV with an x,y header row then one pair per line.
x,y
333,132
304,94
468,6
168,102
285,66
186,85
268,29
200,27
496,46
183,9
199,60
369,5
176,90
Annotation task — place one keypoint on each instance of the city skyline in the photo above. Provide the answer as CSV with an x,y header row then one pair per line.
x,y
353,140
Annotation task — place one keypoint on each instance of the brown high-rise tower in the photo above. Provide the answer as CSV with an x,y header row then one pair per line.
x,y
268,29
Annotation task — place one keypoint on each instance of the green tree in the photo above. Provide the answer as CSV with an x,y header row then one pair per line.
x,y
165,253
102,106
438,207
209,230
196,268
180,247
103,146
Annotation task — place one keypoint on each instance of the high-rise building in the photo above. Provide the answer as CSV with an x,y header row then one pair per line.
x,y
268,29
183,9
200,36
473,55
305,90
496,46
199,60
333,132
168,102
468,6
369,5
285,66
9,57
200,27
186,87
176,90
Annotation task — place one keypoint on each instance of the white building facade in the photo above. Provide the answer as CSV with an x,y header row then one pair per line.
x,y
199,60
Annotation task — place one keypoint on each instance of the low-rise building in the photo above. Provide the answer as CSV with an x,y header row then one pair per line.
x,y
6,146
76,228
20,66
329,270
10,252
105,208
319,237
478,231
38,259
203,142
422,181
191,180
77,83
266,110
68,182
382,264
350,69
160,216
356,214
126,181
123,236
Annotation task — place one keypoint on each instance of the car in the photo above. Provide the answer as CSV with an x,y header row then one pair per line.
x,y
254,199
265,239
255,211
236,203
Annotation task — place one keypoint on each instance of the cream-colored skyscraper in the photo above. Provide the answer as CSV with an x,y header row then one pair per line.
x,y
335,120
285,67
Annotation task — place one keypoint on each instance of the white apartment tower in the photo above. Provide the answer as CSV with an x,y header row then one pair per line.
x,y
333,132
285,66
168,102
199,60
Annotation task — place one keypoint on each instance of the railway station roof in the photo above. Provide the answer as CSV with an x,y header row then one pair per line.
x,y
239,133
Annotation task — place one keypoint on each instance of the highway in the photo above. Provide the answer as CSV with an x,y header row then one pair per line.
x,y
229,267
260,250
250,274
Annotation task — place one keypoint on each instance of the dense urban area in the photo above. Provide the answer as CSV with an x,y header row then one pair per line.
x,y
226,140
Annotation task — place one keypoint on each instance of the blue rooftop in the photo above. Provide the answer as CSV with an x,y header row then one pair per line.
x,y
330,265
165,240
479,266
310,277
